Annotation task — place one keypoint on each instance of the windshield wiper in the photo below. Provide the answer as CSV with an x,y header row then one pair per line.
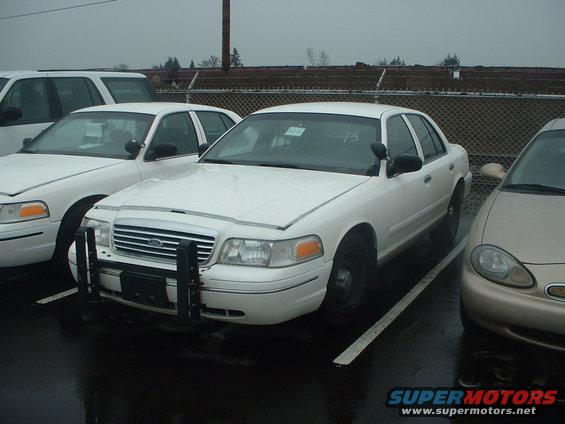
x,y
535,187
282,165
222,161
27,151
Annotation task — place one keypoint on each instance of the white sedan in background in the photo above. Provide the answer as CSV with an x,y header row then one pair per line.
x,y
48,186
514,270
289,210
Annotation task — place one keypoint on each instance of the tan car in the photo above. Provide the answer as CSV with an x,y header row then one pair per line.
x,y
514,268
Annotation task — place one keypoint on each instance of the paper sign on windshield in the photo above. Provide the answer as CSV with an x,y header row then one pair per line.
x,y
295,131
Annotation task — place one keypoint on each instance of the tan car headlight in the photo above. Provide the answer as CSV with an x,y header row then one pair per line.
x,y
26,211
269,253
498,266
101,230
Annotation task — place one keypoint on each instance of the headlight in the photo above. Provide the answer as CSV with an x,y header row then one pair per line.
x,y
500,267
272,254
28,211
101,230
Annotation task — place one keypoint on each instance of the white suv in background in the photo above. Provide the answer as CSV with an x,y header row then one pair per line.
x,y
31,101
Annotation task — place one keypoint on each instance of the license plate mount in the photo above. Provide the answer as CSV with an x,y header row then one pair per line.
x,y
149,290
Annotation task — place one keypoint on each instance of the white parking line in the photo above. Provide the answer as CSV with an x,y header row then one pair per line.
x,y
353,351
57,296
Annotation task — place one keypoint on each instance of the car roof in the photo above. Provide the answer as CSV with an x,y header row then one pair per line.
x,y
556,124
56,73
369,110
152,108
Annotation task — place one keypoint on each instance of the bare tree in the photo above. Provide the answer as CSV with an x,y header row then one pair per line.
x,y
211,62
323,58
317,58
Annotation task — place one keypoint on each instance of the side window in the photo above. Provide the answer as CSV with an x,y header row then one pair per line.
x,y
213,125
228,122
74,94
400,141
176,129
424,136
438,142
126,90
32,96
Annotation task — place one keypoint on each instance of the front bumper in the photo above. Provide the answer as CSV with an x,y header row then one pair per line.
x,y
245,295
522,314
28,245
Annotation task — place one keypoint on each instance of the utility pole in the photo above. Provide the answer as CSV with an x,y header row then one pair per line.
x,y
226,35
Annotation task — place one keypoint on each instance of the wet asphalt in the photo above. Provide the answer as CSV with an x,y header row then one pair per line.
x,y
124,366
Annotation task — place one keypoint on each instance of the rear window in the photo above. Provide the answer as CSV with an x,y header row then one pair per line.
x,y
128,90
3,82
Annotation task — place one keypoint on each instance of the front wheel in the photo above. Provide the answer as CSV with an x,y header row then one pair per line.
x,y
347,290
446,232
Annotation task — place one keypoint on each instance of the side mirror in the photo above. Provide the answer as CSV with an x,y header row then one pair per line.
x,y
379,150
403,164
11,113
202,148
493,170
132,147
27,141
164,150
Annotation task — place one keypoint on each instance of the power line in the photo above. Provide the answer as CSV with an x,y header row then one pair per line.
x,y
57,10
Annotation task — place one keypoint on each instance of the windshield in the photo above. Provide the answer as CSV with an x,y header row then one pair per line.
x,y
3,82
541,166
323,142
101,134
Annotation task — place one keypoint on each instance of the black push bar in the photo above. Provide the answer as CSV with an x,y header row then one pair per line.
x,y
187,273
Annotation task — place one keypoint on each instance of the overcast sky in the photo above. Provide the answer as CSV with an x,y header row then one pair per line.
x,y
141,33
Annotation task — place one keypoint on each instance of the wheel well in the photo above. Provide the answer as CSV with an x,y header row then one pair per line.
x,y
366,231
460,186
81,202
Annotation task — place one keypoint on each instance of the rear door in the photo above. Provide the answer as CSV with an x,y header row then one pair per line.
x,y
38,104
175,128
75,93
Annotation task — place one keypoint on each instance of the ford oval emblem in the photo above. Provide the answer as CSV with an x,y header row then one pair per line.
x,y
155,242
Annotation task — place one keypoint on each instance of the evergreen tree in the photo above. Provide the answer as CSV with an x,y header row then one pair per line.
x,y
235,59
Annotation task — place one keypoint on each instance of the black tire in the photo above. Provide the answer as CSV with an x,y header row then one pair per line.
x,y
348,288
468,323
65,238
445,233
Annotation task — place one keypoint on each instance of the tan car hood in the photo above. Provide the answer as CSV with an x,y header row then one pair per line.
x,y
529,226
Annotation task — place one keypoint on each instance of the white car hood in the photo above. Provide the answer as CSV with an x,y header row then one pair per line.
x,y
251,195
22,172
531,227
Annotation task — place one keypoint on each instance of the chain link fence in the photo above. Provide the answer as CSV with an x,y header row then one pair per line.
x,y
491,127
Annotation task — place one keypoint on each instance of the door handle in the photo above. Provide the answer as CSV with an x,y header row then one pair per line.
x,y
451,167
427,178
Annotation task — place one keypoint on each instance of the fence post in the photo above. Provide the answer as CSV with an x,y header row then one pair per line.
x,y
381,79
190,86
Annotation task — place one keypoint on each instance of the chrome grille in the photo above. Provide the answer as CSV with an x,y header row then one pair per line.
x,y
160,239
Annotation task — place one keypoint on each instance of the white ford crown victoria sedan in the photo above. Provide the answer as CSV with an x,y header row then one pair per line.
x,y
289,211
46,189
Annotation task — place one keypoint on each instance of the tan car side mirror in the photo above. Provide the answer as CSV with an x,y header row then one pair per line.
x,y
493,170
